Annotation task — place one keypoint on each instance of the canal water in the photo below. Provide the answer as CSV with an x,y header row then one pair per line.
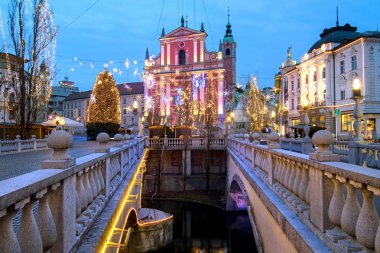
x,y
200,228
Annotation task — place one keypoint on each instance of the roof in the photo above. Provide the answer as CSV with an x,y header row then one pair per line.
x,y
337,34
124,89
182,32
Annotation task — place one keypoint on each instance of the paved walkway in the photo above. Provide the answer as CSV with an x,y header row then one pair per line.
x,y
20,163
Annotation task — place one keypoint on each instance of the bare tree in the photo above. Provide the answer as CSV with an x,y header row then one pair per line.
x,y
32,34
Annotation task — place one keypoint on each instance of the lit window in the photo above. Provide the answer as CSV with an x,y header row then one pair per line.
x,y
324,73
307,79
346,122
315,76
322,121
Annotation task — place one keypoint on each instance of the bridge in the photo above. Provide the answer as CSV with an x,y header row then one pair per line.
x,y
295,202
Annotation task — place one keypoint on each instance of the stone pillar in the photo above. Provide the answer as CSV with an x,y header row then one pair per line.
x,y
323,138
270,168
168,53
307,146
59,141
63,208
188,162
195,50
202,50
273,140
162,54
320,195
18,140
34,142
103,138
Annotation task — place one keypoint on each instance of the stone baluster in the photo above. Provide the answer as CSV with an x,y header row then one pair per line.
x,y
45,221
87,187
287,172
96,179
297,180
368,221
100,175
282,170
29,236
336,202
92,182
275,167
8,239
81,191
304,182
292,176
351,209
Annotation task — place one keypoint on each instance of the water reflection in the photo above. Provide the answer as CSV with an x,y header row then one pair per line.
x,y
200,228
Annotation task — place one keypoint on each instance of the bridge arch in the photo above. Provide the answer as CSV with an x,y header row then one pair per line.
x,y
237,200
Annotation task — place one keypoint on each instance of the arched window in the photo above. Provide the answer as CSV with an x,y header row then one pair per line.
x,y
228,51
182,57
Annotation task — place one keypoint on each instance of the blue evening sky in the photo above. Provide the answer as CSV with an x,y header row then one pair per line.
x,y
114,31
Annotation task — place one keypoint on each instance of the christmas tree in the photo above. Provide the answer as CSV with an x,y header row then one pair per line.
x,y
104,107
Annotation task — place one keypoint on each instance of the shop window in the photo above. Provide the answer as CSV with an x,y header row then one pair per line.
x,y
346,122
322,121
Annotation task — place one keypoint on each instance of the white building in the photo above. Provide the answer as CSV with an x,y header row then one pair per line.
x,y
75,106
323,81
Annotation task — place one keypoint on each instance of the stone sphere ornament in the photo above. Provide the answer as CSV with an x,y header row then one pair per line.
x,y
103,138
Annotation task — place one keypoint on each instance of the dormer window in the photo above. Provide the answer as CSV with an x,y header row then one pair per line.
x,y
182,57
228,51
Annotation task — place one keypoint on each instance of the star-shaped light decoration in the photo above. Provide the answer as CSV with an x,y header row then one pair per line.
x,y
126,86
138,98
92,98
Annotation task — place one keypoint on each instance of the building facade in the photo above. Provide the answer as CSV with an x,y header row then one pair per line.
x,y
75,106
321,84
58,95
185,78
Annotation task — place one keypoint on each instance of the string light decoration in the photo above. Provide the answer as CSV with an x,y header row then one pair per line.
x,y
256,109
104,111
192,102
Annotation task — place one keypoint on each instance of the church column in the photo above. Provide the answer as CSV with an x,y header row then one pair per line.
x,y
168,53
162,90
195,50
168,97
162,54
202,50
220,97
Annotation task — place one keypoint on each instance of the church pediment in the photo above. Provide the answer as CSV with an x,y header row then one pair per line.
x,y
182,32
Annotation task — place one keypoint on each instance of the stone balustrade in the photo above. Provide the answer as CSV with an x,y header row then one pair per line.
x,y
339,202
341,148
190,143
18,145
51,209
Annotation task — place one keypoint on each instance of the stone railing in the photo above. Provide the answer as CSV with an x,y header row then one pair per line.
x,y
190,143
51,209
335,200
294,145
369,155
18,145
341,148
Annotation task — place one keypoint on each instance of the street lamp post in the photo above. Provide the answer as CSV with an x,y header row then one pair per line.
x,y
306,120
134,112
358,111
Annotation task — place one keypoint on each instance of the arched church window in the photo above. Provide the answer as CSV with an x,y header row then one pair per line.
x,y
228,51
182,57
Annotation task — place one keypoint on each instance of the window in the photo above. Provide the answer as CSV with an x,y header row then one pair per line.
x,y
292,84
315,76
353,62
298,83
346,122
324,72
228,51
124,121
292,108
322,121
313,120
182,57
124,111
342,67
342,95
307,79
295,122
298,101
124,100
